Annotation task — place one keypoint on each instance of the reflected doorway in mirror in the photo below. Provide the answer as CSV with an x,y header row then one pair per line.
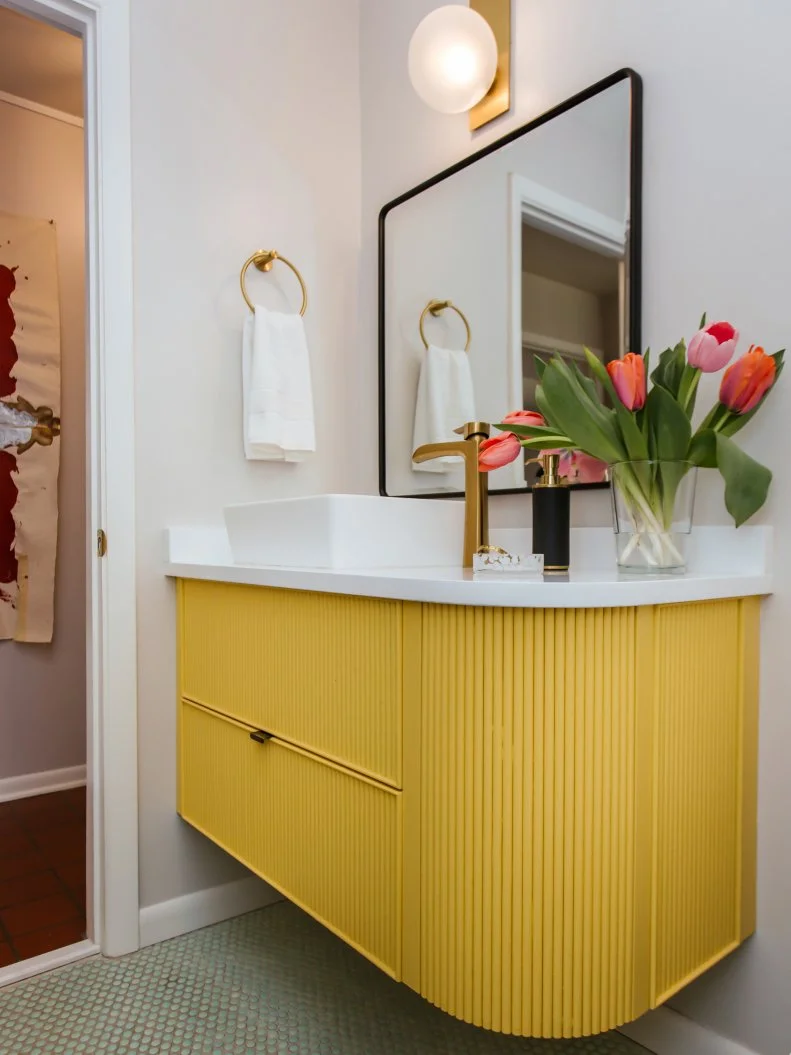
x,y
568,288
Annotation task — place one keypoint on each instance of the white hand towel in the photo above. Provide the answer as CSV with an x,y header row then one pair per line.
x,y
276,387
445,400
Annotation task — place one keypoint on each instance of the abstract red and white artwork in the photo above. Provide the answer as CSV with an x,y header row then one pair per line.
x,y
29,426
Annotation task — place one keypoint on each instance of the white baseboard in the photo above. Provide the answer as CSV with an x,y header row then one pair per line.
x,y
41,783
48,961
666,1032
168,919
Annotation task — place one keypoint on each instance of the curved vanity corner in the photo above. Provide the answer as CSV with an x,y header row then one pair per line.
x,y
534,803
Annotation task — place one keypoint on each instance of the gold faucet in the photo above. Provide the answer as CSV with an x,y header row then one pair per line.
x,y
476,484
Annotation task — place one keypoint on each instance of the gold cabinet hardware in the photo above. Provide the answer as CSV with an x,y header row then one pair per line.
x,y
260,736
101,543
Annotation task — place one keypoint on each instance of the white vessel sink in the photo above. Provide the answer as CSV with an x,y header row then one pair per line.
x,y
347,531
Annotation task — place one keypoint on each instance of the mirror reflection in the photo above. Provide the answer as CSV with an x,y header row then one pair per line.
x,y
529,248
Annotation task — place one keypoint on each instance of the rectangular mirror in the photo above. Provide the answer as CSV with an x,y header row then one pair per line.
x,y
531,246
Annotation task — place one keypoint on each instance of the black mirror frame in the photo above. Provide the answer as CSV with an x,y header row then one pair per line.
x,y
635,240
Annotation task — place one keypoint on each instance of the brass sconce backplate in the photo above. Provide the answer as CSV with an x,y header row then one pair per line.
x,y
498,99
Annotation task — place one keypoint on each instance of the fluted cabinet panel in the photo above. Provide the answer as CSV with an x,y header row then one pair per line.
x,y
575,838
699,717
527,819
321,671
329,840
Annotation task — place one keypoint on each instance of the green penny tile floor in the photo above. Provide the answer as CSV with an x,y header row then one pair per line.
x,y
269,982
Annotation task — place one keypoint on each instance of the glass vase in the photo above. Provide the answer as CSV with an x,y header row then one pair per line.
x,y
653,503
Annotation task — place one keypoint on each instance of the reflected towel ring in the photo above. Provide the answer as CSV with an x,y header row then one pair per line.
x,y
263,260
436,308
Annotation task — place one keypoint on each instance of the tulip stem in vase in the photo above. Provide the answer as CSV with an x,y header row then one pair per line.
x,y
650,512
645,436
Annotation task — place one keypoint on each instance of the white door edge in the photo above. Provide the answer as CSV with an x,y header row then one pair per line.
x,y
113,895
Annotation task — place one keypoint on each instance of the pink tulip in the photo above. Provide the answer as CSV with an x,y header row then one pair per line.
x,y
581,468
628,378
524,417
713,347
498,451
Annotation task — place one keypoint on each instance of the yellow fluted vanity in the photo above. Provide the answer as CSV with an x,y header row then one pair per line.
x,y
534,803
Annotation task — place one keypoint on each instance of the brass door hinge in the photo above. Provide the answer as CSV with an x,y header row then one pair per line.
x,y
101,543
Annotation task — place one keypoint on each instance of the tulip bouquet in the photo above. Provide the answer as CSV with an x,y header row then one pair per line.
x,y
646,436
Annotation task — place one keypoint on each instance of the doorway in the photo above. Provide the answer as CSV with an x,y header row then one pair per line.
x,y
110,776
43,492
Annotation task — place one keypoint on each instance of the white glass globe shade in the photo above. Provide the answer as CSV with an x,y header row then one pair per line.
x,y
452,59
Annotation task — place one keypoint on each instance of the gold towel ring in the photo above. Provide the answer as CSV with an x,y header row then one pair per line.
x,y
263,260
436,308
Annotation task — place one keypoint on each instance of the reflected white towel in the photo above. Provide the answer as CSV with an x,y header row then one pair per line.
x,y
445,400
276,386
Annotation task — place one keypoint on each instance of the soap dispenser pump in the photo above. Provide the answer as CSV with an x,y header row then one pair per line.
x,y
551,513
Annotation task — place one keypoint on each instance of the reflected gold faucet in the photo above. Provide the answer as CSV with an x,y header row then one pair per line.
x,y
476,484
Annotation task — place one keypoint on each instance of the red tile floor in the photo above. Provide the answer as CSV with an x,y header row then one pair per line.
x,y
42,874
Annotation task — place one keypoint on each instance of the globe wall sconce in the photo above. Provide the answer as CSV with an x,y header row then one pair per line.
x,y
460,59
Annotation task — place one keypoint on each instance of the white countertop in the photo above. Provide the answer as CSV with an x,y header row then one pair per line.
x,y
724,562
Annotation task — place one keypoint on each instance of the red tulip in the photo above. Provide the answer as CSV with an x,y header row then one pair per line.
x,y
713,347
498,451
581,468
628,378
746,382
524,417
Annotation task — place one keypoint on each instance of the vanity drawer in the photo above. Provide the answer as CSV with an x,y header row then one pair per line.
x,y
321,671
328,839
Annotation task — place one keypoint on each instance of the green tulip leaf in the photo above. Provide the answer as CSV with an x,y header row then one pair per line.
x,y
545,444
668,425
670,368
542,404
633,438
746,481
537,433
703,449
540,365
588,384
668,480
589,394
688,388
566,406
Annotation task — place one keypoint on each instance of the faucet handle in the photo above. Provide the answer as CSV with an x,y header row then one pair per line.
x,y
474,428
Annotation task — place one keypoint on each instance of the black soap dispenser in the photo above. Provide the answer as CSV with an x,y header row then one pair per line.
x,y
551,514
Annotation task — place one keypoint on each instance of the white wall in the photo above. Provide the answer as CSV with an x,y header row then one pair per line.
x,y
246,134
42,700
717,217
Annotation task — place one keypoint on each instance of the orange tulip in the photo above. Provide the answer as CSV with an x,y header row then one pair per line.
x,y
746,382
628,378
498,451
524,417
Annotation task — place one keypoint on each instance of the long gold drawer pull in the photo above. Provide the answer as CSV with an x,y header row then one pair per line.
x,y
260,736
